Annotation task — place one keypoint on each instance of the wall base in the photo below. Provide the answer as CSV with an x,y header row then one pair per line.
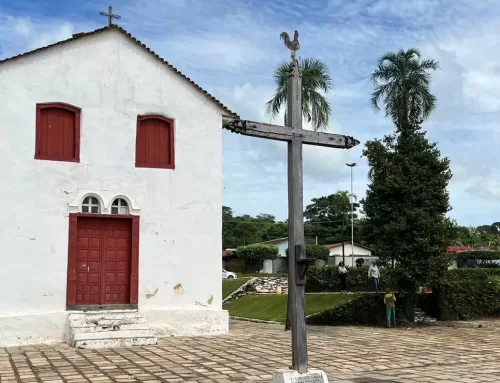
x,y
52,327
25,329
187,322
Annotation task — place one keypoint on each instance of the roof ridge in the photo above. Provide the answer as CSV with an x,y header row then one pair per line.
x,y
81,35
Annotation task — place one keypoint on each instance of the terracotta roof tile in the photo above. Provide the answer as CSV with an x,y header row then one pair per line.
x,y
77,36
457,249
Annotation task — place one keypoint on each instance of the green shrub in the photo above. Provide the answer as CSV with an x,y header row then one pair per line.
x,y
465,299
257,253
326,278
479,254
477,274
315,252
368,309
463,294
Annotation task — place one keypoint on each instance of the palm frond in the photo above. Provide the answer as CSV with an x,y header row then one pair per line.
x,y
315,78
320,111
401,83
274,105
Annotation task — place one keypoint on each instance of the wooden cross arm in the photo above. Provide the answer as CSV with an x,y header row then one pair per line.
x,y
283,133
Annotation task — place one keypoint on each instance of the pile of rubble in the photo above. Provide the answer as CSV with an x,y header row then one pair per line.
x,y
267,285
271,285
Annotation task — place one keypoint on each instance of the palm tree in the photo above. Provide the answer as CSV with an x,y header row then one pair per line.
x,y
401,82
315,77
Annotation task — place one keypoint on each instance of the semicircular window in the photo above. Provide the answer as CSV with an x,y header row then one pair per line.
x,y
91,205
119,206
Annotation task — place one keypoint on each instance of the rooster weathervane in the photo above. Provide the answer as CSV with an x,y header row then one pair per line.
x,y
293,45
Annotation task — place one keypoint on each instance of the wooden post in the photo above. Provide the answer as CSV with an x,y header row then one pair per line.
x,y
295,136
296,247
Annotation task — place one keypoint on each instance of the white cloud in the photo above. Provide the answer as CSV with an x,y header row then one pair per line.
x,y
232,47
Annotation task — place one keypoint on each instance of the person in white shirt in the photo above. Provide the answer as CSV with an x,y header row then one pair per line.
x,y
343,277
374,274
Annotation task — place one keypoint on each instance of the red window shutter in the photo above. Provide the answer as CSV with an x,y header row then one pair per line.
x,y
57,132
155,142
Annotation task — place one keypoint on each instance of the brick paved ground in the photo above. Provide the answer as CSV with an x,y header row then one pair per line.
x,y
252,351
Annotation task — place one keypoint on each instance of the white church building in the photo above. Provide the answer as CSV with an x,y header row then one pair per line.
x,y
110,166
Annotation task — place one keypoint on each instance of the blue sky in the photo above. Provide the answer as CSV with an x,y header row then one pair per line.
x,y
231,47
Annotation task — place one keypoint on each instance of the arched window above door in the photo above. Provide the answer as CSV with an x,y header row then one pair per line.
x,y
91,205
119,206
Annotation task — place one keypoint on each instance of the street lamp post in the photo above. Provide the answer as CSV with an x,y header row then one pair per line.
x,y
352,165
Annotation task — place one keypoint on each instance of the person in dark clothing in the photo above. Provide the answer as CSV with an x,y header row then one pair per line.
x,y
343,277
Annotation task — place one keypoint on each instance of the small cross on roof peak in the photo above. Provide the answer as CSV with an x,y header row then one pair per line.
x,y
110,15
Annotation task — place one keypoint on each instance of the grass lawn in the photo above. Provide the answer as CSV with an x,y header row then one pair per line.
x,y
230,285
273,307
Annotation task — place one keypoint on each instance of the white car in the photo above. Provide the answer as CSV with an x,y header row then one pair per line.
x,y
228,274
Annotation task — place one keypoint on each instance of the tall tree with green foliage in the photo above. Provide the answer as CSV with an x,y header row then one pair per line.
x,y
245,229
315,82
407,199
483,235
329,218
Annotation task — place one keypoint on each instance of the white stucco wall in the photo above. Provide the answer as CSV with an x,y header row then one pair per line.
x,y
112,80
267,266
359,252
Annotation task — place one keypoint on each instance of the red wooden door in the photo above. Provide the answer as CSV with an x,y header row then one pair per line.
x,y
88,261
116,261
103,261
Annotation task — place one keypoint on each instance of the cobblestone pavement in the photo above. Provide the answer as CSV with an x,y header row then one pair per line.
x,y
252,351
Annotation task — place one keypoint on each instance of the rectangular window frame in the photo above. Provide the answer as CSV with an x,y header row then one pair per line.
x,y
38,139
171,121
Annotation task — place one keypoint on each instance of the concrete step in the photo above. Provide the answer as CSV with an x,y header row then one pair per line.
x,y
81,322
98,329
107,314
116,343
113,335
128,326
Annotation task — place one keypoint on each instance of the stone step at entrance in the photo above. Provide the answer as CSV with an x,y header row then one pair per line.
x,y
109,329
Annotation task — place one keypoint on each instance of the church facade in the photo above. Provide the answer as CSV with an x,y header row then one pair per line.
x,y
111,179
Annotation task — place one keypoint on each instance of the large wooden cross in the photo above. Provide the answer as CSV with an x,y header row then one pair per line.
x,y
295,136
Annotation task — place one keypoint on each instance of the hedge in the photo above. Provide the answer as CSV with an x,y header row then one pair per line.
x,y
464,294
464,299
316,252
476,274
367,309
479,255
326,279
